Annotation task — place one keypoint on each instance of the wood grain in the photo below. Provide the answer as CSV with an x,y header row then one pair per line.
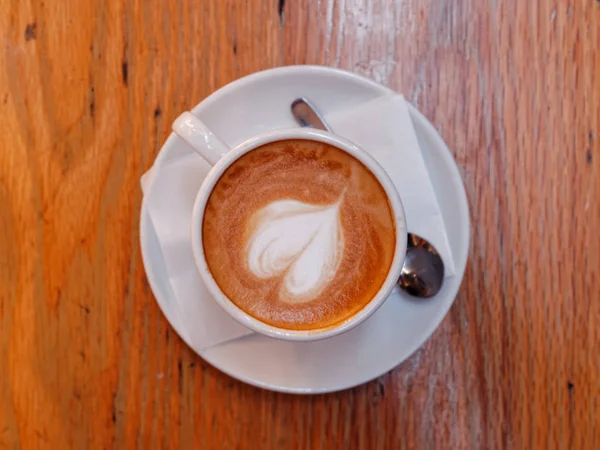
x,y
88,90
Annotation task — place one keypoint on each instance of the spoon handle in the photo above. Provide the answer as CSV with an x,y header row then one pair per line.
x,y
307,116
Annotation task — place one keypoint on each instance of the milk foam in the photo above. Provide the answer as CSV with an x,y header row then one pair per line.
x,y
302,243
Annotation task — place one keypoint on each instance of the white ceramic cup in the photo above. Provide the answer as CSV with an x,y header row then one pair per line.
x,y
220,156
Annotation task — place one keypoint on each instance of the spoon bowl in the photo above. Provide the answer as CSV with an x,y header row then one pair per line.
x,y
423,269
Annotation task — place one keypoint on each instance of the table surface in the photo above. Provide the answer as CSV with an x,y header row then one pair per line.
x,y
88,90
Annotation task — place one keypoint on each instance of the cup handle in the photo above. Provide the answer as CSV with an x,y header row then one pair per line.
x,y
198,136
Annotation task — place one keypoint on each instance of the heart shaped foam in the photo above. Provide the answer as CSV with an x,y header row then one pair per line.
x,y
300,242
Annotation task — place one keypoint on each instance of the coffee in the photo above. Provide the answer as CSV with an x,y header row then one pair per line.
x,y
299,234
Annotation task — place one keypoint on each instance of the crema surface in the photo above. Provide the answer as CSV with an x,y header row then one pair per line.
x,y
299,234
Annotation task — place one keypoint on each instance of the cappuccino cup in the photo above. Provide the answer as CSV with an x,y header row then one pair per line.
x,y
298,234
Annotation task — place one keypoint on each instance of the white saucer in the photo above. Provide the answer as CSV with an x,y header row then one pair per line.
x,y
260,102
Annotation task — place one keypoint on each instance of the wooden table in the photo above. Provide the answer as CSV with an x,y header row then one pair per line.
x,y
88,90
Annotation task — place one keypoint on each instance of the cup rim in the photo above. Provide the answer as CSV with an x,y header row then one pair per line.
x,y
242,316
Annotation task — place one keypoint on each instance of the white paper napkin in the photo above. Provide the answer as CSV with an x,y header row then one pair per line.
x,y
169,198
382,127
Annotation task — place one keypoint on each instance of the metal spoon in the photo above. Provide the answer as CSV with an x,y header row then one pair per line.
x,y
423,270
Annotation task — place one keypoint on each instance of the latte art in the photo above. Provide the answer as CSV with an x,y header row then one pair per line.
x,y
302,242
299,234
